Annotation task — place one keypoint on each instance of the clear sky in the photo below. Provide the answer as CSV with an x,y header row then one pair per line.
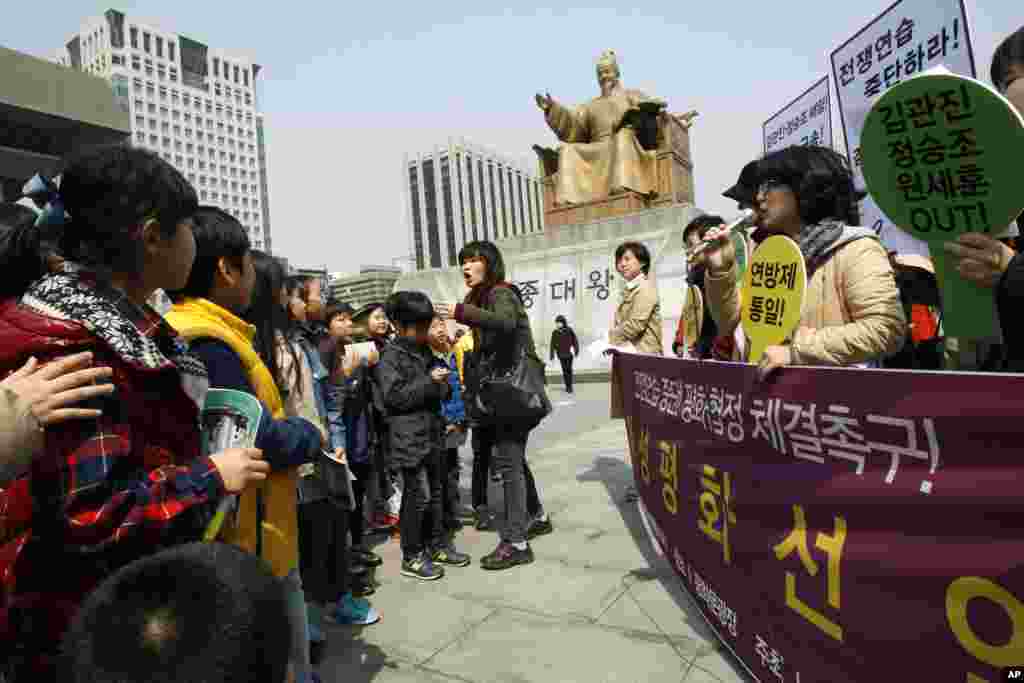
x,y
349,87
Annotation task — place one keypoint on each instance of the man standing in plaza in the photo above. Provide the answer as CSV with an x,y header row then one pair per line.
x,y
565,344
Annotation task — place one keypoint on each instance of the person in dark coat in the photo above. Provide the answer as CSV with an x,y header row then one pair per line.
x,y
501,329
566,346
412,394
693,234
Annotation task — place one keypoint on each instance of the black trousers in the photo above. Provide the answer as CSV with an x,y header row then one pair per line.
x,y
566,372
323,551
422,518
483,446
451,471
357,518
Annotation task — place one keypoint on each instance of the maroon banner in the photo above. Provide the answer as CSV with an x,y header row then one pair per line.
x,y
838,524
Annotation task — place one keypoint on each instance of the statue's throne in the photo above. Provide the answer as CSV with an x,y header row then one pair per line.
x,y
665,134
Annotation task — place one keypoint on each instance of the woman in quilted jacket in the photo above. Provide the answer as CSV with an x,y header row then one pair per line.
x,y
852,312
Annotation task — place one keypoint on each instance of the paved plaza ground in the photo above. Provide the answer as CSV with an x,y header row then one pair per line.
x,y
598,605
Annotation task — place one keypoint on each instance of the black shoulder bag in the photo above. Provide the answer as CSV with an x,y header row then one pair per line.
x,y
514,392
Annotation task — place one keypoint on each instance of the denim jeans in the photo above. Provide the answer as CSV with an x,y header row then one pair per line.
x,y
508,451
482,452
422,517
300,627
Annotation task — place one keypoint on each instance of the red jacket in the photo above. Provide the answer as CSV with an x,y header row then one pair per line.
x,y
105,491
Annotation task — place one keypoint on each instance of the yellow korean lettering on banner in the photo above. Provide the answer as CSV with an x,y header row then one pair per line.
x,y
716,503
773,294
958,595
643,446
833,547
670,475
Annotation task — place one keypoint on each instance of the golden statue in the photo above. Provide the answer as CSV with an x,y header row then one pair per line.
x,y
602,155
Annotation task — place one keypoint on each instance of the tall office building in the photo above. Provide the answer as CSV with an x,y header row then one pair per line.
x,y
192,104
461,192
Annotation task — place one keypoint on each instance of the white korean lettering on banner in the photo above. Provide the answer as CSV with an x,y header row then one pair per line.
x,y
822,434
725,615
907,39
807,120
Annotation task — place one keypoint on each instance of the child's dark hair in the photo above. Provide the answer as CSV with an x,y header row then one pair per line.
x,y
200,612
1009,52
21,254
409,308
271,319
218,235
109,192
701,225
819,177
639,251
336,308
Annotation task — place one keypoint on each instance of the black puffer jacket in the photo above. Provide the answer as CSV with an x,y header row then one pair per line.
x,y
412,401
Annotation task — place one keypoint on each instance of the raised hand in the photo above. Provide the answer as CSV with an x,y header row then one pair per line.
x,y
51,389
720,252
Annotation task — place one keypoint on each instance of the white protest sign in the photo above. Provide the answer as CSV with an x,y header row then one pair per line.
x,y
907,39
807,120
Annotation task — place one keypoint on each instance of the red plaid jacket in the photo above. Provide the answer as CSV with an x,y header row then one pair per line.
x,y
105,491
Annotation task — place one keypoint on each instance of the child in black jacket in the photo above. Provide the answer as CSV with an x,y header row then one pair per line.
x,y
412,394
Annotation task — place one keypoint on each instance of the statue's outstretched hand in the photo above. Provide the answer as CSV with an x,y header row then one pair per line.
x,y
544,101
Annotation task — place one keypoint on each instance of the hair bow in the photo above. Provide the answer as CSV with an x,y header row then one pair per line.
x,y
44,194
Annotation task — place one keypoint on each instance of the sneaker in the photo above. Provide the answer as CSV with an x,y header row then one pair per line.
x,y
352,612
316,634
447,554
385,521
366,557
482,520
362,586
539,527
506,556
421,567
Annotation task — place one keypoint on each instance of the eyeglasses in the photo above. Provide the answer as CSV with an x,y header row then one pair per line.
x,y
770,184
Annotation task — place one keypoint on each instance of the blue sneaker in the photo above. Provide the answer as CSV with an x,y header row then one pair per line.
x,y
352,613
316,634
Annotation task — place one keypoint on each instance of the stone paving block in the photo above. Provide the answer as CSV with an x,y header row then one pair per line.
x,y
673,612
418,619
548,587
719,667
591,547
512,647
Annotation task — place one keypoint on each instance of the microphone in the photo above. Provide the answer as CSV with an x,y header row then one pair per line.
x,y
744,220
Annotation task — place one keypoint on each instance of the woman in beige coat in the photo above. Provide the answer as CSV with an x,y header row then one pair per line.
x,y
852,313
638,317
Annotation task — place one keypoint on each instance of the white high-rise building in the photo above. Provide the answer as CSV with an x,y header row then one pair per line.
x,y
460,193
192,104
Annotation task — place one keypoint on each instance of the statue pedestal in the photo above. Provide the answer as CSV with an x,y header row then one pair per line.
x,y
674,183
619,205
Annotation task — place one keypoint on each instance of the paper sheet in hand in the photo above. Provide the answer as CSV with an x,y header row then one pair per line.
x,y
230,419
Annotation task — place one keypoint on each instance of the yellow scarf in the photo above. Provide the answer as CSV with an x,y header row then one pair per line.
x,y
199,319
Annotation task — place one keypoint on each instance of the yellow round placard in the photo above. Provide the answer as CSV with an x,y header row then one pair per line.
x,y
773,294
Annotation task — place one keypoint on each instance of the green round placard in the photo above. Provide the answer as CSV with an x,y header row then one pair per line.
x,y
941,157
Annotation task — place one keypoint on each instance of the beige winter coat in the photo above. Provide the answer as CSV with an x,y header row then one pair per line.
x,y
852,310
20,436
638,319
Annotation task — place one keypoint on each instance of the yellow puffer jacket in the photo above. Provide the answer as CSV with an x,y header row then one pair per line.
x,y
199,319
